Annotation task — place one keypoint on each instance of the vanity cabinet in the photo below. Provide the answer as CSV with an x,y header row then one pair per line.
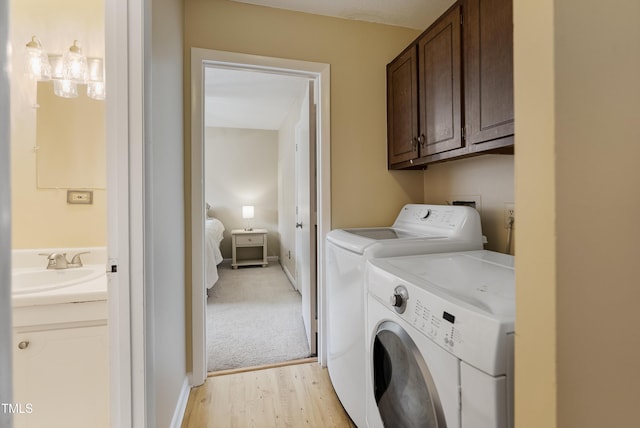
x,y
450,93
61,369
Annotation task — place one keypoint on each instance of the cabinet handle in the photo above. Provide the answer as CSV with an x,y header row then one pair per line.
x,y
414,143
23,345
421,140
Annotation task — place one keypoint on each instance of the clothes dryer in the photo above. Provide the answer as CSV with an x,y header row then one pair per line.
x,y
440,333
418,229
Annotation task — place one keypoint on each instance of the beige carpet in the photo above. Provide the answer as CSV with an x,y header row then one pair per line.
x,y
253,317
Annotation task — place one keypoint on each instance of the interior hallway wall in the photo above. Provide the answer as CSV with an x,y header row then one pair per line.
x,y
41,217
164,247
241,168
577,106
363,192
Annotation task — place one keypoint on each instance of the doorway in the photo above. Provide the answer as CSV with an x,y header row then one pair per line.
x,y
319,218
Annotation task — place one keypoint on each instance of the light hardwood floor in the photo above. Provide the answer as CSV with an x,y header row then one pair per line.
x,y
294,395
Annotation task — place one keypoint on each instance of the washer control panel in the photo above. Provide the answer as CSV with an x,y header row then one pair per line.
x,y
444,217
439,325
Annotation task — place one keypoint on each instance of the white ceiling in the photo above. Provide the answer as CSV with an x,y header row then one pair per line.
x,y
249,99
416,14
255,100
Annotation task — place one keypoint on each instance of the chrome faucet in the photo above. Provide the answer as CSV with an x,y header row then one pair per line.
x,y
59,260
56,260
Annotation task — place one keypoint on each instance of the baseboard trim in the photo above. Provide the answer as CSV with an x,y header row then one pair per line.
x,y
181,405
290,277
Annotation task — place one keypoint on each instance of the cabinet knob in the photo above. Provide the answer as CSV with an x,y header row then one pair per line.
x,y
23,345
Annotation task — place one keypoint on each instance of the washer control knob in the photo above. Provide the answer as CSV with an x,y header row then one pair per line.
x,y
399,299
396,300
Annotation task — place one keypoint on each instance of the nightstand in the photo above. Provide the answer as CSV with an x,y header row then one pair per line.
x,y
241,238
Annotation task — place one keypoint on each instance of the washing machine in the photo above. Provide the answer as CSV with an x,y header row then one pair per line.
x,y
418,229
440,333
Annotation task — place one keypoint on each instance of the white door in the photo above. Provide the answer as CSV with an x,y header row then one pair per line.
x,y
306,266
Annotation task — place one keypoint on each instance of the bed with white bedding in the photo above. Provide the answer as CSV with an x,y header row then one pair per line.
x,y
213,232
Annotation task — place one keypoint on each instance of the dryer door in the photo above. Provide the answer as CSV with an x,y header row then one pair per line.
x,y
404,389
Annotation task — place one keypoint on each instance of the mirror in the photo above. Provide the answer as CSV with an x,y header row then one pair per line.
x,y
70,141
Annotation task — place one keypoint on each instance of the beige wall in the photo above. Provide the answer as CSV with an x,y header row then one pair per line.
x,y
597,93
577,110
535,388
41,218
487,179
241,168
364,193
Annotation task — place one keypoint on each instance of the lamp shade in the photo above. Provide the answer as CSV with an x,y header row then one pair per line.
x,y
247,211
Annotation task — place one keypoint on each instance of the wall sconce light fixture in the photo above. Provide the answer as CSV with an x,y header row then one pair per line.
x,y
67,70
37,64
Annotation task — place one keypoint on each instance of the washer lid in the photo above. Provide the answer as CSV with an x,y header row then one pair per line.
x,y
434,222
358,240
383,233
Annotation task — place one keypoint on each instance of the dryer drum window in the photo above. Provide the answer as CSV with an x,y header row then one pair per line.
x,y
403,387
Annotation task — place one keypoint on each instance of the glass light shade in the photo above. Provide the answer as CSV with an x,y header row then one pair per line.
x,y
57,66
247,211
95,70
65,88
36,64
75,64
96,90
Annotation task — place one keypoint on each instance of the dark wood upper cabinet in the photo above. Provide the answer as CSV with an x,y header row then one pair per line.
x,y
439,85
461,69
488,47
402,108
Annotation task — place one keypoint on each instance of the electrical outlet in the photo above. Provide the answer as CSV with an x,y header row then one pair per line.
x,y
509,212
84,197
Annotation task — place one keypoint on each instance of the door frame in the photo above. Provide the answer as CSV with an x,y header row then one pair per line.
x,y
6,390
124,47
321,73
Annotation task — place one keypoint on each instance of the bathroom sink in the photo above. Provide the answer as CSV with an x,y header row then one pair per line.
x,y
34,280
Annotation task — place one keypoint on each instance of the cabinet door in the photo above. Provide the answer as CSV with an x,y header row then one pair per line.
x,y
402,108
440,80
488,44
62,375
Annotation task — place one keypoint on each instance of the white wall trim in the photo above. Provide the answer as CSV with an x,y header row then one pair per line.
x,y
124,43
290,277
5,218
117,138
318,71
181,405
